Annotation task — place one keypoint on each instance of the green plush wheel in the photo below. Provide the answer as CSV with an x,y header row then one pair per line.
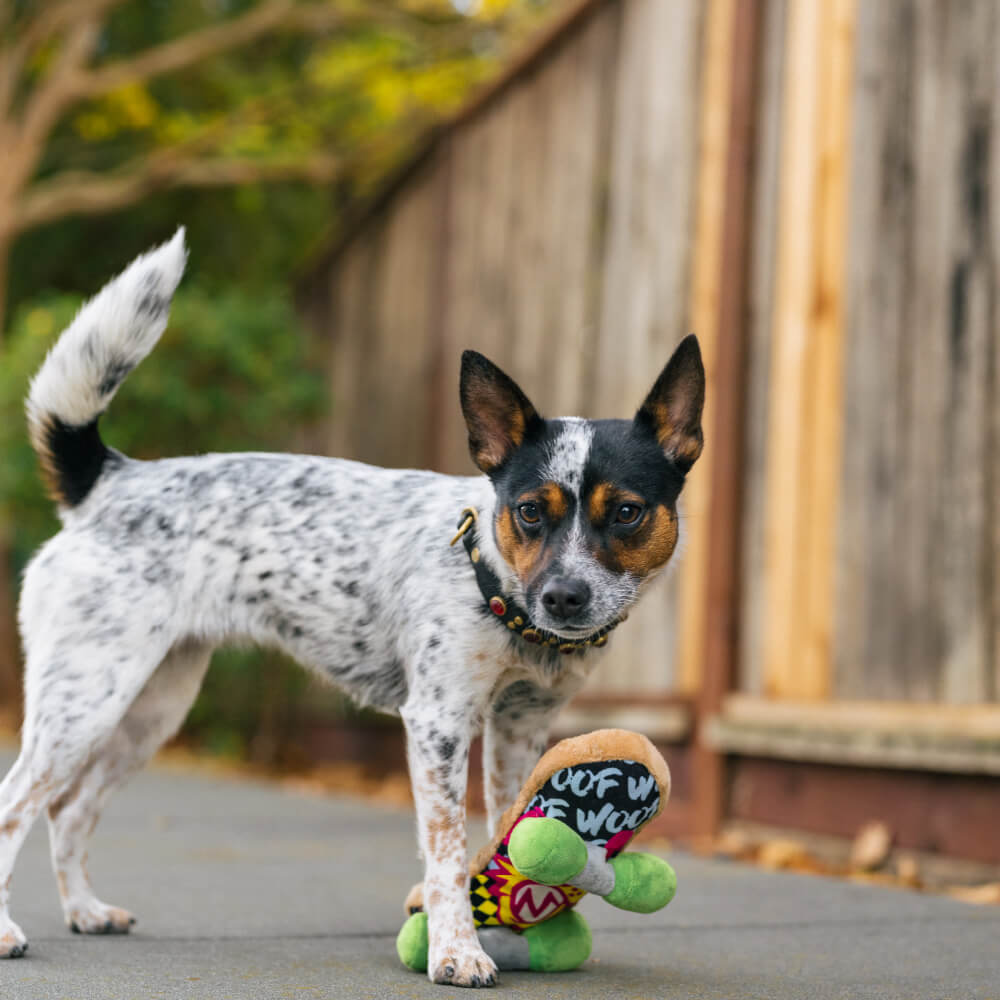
x,y
644,883
412,943
557,945
560,944
547,850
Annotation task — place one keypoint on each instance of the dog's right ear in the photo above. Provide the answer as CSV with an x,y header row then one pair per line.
x,y
497,413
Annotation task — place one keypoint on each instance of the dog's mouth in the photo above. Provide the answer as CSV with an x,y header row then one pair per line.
x,y
573,632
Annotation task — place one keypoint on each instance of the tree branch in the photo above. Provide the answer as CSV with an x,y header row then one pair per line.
x,y
47,23
47,104
199,45
84,193
272,15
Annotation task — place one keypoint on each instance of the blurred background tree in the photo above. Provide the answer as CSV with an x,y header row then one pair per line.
x,y
253,123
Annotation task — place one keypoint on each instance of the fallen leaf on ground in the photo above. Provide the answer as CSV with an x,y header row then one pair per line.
x,y
981,894
735,844
777,854
908,871
871,847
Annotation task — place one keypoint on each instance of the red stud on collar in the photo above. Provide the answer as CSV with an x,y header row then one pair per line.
x,y
498,607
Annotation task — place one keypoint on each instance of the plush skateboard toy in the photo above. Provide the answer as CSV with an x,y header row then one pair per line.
x,y
563,837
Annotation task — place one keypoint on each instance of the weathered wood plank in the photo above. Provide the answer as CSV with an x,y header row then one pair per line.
x,y
351,295
461,286
956,280
881,202
825,393
713,134
646,268
397,355
787,428
763,256
992,543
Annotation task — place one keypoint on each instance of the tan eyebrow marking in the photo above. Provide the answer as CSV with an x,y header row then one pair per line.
x,y
555,500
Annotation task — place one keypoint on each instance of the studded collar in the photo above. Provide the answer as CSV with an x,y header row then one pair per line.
x,y
507,611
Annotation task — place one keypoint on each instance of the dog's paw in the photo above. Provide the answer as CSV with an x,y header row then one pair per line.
x,y
95,917
463,966
13,943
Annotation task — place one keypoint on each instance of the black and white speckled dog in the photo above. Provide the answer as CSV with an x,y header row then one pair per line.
x,y
346,567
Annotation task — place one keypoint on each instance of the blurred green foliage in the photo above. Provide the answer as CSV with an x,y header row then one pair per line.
x,y
363,93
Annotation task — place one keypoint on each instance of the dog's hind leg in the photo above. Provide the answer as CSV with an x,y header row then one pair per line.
x,y
72,708
153,718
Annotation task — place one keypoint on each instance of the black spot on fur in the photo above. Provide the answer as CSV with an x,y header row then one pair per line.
x,y
115,373
153,303
78,458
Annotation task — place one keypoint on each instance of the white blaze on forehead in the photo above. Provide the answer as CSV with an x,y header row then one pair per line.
x,y
567,455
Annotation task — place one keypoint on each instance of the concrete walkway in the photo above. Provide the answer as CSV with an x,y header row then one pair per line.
x,y
245,890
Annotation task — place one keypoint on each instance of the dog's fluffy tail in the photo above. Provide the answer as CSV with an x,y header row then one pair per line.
x,y
110,335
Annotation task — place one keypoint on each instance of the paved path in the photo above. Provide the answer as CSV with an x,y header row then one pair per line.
x,y
247,891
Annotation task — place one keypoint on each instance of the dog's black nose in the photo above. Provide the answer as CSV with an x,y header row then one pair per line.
x,y
564,597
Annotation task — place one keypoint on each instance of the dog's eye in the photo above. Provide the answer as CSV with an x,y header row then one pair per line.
x,y
529,513
628,513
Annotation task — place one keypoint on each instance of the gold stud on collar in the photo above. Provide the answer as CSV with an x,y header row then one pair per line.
x,y
601,640
531,635
474,555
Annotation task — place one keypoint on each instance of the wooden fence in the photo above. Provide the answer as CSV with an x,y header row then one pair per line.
x,y
812,186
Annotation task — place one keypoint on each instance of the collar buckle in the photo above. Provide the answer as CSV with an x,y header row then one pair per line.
x,y
470,516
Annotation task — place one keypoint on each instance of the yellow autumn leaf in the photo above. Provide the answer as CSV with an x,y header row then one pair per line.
x,y
94,126
132,106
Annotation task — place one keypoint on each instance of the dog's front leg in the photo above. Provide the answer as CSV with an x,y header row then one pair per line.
x,y
438,738
515,735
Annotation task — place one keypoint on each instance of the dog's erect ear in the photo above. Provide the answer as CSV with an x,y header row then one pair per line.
x,y
673,407
497,413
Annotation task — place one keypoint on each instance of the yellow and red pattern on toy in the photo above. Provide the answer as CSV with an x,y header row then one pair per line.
x,y
501,896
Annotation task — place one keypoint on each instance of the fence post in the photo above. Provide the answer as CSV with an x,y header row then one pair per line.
x,y
721,594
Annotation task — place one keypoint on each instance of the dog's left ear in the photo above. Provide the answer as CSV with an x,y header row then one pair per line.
x,y
673,407
497,413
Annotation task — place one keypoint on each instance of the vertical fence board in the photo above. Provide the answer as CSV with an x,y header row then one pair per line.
x,y
399,351
713,138
954,284
786,430
992,543
351,331
878,278
646,271
763,237
824,399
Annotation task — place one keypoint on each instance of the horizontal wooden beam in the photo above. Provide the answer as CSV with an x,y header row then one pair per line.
x,y
972,720
667,723
961,739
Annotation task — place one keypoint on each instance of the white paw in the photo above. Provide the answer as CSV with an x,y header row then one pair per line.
x,y
91,916
13,943
462,965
